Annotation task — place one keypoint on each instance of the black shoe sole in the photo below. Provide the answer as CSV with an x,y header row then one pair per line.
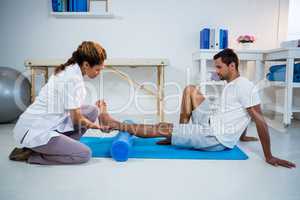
x,y
18,154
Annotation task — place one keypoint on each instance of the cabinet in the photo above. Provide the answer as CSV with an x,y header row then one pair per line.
x,y
289,56
201,57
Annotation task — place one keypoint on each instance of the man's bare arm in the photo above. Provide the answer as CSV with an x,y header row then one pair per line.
x,y
263,133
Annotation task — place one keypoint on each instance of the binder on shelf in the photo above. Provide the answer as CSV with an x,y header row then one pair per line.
x,y
65,3
70,5
74,5
82,6
78,6
204,38
214,38
223,38
58,5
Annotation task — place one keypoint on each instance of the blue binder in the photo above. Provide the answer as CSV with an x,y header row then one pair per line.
x,y
223,38
57,5
78,5
83,6
204,38
70,5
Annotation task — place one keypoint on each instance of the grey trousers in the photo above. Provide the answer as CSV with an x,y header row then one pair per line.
x,y
65,148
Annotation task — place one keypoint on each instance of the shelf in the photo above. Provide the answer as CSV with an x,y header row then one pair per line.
x,y
218,83
82,15
96,9
248,55
282,54
114,62
281,84
279,109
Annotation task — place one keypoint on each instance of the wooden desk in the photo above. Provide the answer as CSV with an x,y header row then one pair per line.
x,y
159,64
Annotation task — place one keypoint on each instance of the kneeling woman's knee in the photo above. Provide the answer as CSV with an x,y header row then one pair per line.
x,y
84,155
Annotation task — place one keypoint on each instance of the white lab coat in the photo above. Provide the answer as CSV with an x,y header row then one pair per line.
x,y
50,110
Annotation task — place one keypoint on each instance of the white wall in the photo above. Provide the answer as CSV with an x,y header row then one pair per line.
x,y
293,20
167,29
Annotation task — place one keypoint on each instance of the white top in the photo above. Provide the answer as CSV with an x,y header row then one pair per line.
x,y
233,118
50,110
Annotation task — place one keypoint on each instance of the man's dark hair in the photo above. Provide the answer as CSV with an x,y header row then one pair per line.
x,y
228,56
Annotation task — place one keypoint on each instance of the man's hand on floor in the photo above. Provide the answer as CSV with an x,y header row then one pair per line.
x,y
279,162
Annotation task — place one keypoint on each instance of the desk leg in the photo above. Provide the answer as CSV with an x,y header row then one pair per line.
x,y
108,6
163,94
32,84
46,75
160,94
288,93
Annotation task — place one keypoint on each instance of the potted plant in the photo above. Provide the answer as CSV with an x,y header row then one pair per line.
x,y
246,40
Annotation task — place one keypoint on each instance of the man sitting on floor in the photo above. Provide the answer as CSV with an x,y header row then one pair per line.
x,y
239,103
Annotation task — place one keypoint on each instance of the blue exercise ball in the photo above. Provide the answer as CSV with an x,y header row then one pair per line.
x,y
14,94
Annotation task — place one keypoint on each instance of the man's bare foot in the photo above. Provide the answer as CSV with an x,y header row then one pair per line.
x,y
104,118
164,142
102,106
248,139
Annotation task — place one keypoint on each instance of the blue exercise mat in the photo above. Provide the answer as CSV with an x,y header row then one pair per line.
x,y
147,148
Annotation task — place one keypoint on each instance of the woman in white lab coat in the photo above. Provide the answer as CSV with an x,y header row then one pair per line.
x,y
49,130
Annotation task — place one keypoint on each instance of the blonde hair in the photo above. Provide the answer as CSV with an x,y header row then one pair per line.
x,y
88,51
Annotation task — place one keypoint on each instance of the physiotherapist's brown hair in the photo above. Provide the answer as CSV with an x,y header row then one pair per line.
x,y
228,56
88,51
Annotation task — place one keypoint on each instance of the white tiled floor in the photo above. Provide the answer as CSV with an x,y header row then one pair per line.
x,y
157,179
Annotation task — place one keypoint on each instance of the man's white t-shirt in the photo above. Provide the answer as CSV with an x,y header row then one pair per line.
x,y
50,110
233,118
